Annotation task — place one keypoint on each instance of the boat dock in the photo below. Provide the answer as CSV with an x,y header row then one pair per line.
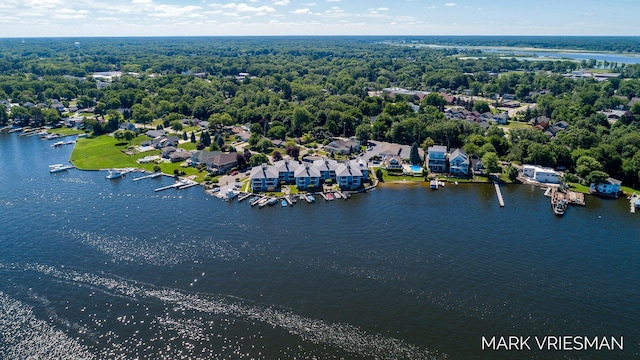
x,y
177,184
288,200
244,196
499,194
571,197
150,176
324,196
634,202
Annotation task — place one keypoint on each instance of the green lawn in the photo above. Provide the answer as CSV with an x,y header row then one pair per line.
x,y
65,131
391,176
515,125
579,188
103,152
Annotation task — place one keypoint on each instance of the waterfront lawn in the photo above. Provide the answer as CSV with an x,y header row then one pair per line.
x,y
391,176
65,131
578,187
104,152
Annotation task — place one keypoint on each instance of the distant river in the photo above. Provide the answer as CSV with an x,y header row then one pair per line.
x,y
548,53
93,268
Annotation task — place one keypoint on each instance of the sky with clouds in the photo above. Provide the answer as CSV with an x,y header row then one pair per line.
x,y
80,18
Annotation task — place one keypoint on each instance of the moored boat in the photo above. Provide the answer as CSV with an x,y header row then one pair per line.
x,y
284,203
560,207
59,168
114,174
433,184
255,201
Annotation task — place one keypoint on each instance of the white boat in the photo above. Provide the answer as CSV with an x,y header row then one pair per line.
x,y
560,207
59,168
434,184
114,174
230,194
59,143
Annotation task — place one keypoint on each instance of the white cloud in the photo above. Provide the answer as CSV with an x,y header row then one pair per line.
x,y
281,2
145,2
70,14
450,4
42,4
302,12
247,8
170,11
333,0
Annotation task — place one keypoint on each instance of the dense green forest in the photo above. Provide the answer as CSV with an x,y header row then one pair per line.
x,y
316,88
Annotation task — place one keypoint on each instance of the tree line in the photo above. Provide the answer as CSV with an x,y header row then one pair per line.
x,y
314,89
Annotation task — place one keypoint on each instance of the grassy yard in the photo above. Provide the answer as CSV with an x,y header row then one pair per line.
x,y
397,176
104,152
65,131
515,125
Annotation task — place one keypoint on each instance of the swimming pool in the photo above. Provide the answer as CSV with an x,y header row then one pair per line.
x,y
416,168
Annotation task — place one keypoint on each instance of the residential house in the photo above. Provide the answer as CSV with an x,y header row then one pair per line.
x,y
127,126
541,174
179,155
161,142
458,163
286,170
223,162
327,168
343,146
349,176
264,178
215,160
615,115
476,166
611,187
541,122
554,129
307,176
391,150
167,151
362,165
155,133
437,158
240,133
501,118
393,162
74,122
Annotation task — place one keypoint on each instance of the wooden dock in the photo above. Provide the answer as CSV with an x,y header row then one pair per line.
x,y
288,200
498,193
632,203
571,197
172,186
244,196
150,176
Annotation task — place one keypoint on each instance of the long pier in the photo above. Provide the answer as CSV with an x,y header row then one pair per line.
x,y
174,185
499,194
150,176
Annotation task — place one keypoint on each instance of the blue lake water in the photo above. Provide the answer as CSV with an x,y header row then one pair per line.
x,y
93,268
